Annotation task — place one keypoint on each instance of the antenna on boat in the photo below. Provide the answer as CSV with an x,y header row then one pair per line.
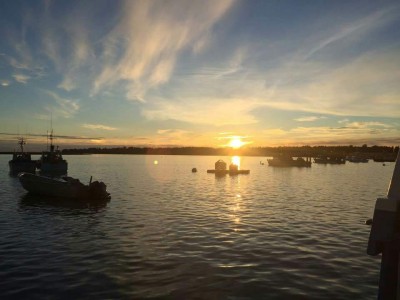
x,y
21,143
385,237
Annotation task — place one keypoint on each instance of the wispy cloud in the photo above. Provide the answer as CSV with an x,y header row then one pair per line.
x,y
98,126
309,119
150,37
364,86
208,111
364,125
357,28
62,107
353,132
21,78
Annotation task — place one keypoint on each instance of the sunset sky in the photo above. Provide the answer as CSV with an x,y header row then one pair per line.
x,y
200,72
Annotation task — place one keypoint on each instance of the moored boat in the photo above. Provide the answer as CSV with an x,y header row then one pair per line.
x,y
220,169
357,159
52,161
330,160
62,187
22,161
288,161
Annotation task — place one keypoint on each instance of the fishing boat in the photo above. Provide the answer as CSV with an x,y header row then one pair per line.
x,y
52,161
221,169
63,187
22,161
288,161
330,160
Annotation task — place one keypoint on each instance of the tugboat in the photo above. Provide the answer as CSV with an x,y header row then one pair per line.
x,y
22,161
52,161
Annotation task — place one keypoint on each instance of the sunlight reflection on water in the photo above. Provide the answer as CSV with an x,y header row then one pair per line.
x,y
171,233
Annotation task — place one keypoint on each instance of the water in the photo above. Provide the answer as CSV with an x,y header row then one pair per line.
x,y
168,233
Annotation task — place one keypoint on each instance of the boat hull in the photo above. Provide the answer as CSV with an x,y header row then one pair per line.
x,y
40,185
285,164
60,167
22,166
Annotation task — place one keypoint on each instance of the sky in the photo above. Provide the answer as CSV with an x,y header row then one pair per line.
x,y
200,73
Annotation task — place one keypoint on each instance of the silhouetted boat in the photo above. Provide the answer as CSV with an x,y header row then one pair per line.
x,y
63,187
387,157
52,161
288,161
220,169
357,159
22,161
330,160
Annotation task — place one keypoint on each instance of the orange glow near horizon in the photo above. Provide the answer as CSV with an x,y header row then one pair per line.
x,y
236,143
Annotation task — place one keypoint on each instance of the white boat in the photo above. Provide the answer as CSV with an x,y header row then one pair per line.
x,y
63,187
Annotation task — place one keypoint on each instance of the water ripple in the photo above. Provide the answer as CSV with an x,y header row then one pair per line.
x,y
168,233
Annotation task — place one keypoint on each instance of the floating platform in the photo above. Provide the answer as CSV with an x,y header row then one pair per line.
x,y
228,172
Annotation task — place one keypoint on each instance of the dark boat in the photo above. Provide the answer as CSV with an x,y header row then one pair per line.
x,y
63,187
387,157
288,161
330,160
52,161
220,169
357,159
22,161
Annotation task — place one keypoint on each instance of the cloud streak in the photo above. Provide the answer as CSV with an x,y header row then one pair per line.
x,y
151,37
98,126
62,107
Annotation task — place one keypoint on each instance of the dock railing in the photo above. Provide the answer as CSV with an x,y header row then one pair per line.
x,y
385,237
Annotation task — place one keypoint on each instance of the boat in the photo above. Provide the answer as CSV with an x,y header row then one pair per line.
x,y
52,161
387,157
63,187
357,159
22,161
288,161
330,160
220,169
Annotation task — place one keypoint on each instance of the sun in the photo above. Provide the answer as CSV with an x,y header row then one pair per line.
x,y
236,142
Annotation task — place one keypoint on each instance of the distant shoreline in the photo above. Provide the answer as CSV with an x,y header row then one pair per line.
x,y
302,151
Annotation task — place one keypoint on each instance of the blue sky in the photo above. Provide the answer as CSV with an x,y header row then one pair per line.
x,y
198,73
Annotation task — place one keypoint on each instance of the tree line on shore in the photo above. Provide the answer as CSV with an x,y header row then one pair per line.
x,y
301,151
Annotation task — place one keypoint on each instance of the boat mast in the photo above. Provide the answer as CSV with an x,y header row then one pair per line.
x,y
51,133
21,143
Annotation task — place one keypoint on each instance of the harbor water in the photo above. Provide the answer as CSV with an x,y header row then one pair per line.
x,y
168,233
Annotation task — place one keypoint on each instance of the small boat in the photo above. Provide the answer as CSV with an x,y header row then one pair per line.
x,y
288,161
52,161
220,169
330,160
63,187
21,161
